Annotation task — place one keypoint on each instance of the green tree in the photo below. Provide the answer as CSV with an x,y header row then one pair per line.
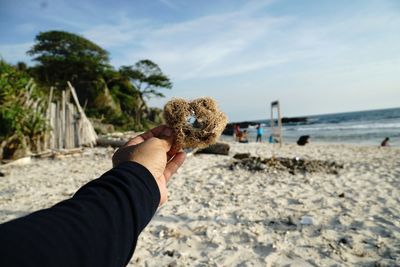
x,y
63,56
115,96
21,66
122,90
147,79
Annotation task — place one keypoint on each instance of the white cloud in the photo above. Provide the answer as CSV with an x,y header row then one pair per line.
x,y
209,46
252,51
15,52
238,42
111,36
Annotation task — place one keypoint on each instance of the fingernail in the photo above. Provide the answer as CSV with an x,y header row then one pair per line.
x,y
167,132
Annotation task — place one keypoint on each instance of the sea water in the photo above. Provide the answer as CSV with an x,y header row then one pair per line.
x,y
362,127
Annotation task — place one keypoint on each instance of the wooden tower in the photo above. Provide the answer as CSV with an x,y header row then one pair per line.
x,y
276,131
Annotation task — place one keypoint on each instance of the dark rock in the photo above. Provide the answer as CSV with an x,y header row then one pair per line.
x,y
291,221
229,130
294,120
173,264
241,156
104,141
341,195
303,140
102,128
345,241
217,148
169,253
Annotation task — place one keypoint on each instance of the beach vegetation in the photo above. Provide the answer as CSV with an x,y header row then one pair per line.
x,y
109,95
22,105
115,96
147,80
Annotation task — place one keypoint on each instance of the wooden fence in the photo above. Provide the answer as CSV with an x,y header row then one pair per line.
x,y
67,126
70,128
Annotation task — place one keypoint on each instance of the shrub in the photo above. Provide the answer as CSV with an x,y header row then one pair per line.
x,y
22,109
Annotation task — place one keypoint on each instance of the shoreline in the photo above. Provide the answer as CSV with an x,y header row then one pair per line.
x,y
230,139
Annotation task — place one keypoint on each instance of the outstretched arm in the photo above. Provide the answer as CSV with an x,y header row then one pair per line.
x,y
100,224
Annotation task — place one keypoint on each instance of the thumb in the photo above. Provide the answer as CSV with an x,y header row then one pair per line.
x,y
167,137
165,142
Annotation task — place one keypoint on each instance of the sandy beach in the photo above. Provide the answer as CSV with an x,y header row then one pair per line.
x,y
219,217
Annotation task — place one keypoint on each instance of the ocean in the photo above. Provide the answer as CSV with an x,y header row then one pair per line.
x,y
361,127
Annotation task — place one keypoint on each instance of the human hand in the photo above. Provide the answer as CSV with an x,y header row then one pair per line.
x,y
154,150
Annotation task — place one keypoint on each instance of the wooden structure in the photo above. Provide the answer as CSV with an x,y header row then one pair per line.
x,y
276,131
69,126
64,131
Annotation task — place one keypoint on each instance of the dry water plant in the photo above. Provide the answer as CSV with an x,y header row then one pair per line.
x,y
197,123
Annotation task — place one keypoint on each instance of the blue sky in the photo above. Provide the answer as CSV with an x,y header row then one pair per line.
x,y
314,56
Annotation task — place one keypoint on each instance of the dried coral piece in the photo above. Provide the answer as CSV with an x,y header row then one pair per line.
x,y
197,123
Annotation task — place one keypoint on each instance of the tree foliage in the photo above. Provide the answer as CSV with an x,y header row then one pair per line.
x,y
64,56
147,79
116,96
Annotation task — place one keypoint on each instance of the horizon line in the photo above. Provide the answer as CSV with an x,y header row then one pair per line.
x,y
323,114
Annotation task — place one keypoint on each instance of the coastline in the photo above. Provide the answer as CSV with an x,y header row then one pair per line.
x,y
292,142
219,217
369,127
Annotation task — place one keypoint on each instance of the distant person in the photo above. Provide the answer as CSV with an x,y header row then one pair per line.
x,y
238,132
271,139
303,140
385,142
260,132
243,137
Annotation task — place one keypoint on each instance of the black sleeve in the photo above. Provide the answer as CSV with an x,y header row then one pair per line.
x,y
98,226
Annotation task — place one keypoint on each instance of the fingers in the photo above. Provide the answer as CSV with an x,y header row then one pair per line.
x,y
174,164
163,193
155,132
171,153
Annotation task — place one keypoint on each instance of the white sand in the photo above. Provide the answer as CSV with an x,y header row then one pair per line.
x,y
217,217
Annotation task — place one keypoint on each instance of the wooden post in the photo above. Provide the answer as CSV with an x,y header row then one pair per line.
x,y
53,122
87,134
70,133
272,120
33,85
58,126
75,97
67,126
50,95
276,132
72,118
63,118
280,124
27,86
77,123
48,120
